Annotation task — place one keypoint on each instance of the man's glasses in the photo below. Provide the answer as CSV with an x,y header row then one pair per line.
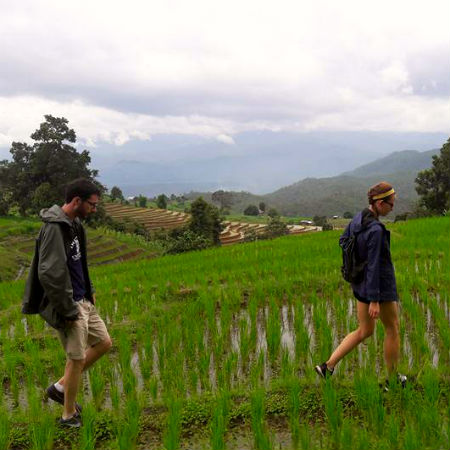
x,y
93,205
389,203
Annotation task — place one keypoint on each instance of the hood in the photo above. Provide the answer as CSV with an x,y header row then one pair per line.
x,y
364,219
55,214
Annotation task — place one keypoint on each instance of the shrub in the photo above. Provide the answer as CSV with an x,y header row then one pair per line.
x,y
251,210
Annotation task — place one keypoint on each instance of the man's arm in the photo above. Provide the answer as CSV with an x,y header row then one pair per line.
x,y
54,274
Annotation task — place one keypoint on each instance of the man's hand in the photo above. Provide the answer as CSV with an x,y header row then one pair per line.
x,y
70,323
374,310
93,299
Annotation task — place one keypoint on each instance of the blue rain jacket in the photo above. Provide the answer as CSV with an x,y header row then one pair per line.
x,y
373,246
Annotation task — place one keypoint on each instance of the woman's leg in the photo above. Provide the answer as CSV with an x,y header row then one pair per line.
x,y
364,330
389,317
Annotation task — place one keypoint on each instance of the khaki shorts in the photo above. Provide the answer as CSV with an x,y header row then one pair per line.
x,y
86,332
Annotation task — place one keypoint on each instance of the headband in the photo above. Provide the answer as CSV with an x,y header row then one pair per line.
x,y
386,194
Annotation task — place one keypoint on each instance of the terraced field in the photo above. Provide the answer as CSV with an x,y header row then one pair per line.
x,y
17,242
154,219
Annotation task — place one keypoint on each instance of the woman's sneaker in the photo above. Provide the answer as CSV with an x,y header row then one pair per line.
x,y
401,380
323,370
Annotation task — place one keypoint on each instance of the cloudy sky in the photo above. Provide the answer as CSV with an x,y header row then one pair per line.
x,y
128,71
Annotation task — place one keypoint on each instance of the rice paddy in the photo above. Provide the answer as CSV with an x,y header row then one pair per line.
x,y
215,349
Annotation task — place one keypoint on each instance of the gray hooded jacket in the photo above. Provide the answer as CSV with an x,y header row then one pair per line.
x,y
48,290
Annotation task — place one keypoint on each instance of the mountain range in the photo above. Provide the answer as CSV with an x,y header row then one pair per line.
x,y
345,192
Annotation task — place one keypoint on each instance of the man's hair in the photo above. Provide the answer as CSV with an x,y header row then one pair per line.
x,y
379,189
82,188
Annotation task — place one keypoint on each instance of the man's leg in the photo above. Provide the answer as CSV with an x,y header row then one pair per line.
x,y
389,317
92,355
72,375
364,330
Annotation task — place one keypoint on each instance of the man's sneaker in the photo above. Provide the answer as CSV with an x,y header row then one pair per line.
x,y
323,370
71,422
53,394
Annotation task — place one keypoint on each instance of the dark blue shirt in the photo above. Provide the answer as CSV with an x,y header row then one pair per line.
x,y
373,246
76,270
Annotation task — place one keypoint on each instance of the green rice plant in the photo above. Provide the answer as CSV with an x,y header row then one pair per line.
x,y
305,437
392,430
347,434
5,429
369,399
225,374
411,440
429,416
333,411
273,330
153,387
294,411
42,425
244,343
286,368
114,392
219,421
97,382
257,371
324,336
302,342
203,367
87,434
172,433
261,438
128,426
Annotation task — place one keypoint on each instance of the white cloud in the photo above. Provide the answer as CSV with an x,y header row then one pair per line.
x,y
225,139
396,78
127,72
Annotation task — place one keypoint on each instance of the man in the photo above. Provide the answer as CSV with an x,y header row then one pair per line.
x,y
60,290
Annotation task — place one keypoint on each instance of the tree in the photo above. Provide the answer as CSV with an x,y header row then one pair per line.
x,y
251,210
51,160
161,201
224,198
262,207
319,221
142,201
275,228
116,194
205,220
272,213
433,185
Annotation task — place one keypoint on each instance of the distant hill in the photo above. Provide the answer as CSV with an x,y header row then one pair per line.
x,y
345,192
404,161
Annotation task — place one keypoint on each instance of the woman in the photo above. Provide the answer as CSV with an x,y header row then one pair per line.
x,y
377,292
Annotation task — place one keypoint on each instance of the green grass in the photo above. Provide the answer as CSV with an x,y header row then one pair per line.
x,y
17,241
208,328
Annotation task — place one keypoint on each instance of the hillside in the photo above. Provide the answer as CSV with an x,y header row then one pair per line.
x,y
397,162
17,242
345,192
162,219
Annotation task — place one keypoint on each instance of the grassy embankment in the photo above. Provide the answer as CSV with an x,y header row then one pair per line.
x,y
17,242
215,349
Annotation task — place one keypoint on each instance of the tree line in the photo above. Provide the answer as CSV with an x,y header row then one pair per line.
x,y
36,176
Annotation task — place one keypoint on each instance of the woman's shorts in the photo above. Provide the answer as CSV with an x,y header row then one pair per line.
x,y
367,302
